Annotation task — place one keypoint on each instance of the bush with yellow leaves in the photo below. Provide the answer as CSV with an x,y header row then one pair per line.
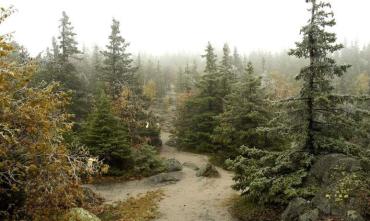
x,y
39,177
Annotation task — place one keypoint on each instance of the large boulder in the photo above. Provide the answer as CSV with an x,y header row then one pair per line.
x,y
336,178
173,165
79,214
208,170
165,178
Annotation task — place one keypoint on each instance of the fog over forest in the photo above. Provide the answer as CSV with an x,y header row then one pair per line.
x,y
174,110
175,26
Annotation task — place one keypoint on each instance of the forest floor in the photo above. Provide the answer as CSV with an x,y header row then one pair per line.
x,y
190,199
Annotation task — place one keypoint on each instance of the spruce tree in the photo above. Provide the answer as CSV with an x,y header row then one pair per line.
x,y
318,121
195,76
226,72
67,42
118,70
196,119
183,84
246,115
59,67
237,63
106,136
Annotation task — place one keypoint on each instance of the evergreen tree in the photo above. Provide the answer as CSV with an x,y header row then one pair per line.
x,y
195,122
226,72
118,70
319,122
67,42
58,67
184,80
195,76
246,115
140,71
106,136
160,81
96,63
237,63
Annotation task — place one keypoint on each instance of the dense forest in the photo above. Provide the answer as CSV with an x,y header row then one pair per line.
x,y
292,128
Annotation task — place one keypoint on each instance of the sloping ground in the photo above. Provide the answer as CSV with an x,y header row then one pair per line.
x,y
190,199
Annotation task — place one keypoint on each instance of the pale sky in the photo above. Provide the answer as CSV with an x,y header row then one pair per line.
x,y
171,26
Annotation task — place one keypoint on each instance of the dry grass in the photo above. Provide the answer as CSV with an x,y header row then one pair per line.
x,y
143,207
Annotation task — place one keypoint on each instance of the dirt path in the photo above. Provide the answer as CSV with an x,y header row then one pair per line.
x,y
191,199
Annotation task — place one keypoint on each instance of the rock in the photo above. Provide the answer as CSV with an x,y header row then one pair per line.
x,y
353,215
190,165
208,170
79,214
322,169
171,142
322,203
295,209
165,178
327,174
312,215
173,165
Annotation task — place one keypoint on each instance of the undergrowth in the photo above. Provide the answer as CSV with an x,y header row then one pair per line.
x,y
244,210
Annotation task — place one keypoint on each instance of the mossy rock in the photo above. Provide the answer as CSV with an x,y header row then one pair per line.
x,y
208,170
173,165
79,214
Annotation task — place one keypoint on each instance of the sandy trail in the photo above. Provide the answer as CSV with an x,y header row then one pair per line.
x,y
191,199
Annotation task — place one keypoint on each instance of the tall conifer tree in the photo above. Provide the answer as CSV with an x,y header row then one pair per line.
x,y
118,70
67,42
247,113
319,122
196,120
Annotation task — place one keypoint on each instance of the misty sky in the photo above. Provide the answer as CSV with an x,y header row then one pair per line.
x,y
171,26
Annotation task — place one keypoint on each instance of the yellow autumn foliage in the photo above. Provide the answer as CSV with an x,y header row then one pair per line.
x,y
35,164
150,90
362,83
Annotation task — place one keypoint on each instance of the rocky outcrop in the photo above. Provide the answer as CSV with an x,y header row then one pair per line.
x,y
335,175
208,170
172,165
